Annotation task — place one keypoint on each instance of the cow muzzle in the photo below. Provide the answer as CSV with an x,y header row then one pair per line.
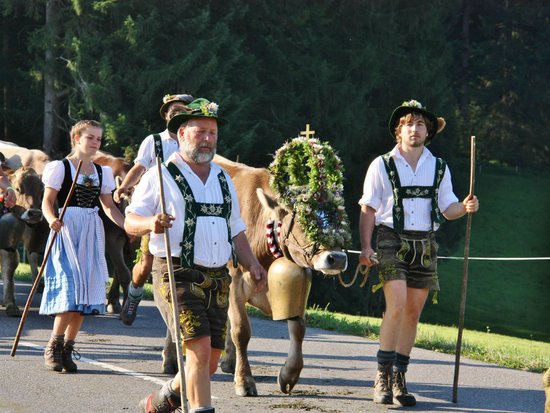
x,y
32,216
331,262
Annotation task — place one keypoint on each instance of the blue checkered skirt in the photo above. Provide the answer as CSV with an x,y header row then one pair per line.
x,y
75,275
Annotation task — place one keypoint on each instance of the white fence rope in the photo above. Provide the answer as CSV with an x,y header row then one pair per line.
x,y
484,258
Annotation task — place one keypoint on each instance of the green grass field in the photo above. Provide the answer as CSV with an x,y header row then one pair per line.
x,y
504,297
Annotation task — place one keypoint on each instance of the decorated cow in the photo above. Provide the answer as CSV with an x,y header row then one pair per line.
x,y
296,223
23,223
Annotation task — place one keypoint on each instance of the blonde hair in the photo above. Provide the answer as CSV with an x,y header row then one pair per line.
x,y
409,117
79,126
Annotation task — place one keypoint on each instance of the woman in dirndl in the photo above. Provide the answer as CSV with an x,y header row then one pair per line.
x,y
75,274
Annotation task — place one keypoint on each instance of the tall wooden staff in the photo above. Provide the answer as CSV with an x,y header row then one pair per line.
x,y
39,276
465,273
176,333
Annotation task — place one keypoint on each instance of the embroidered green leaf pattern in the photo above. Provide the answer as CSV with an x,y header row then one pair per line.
x,y
189,321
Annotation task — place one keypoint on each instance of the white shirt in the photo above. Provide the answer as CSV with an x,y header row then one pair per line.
x,y
377,191
212,248
146,156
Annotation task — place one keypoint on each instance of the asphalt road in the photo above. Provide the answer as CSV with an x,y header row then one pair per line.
x,y
120,365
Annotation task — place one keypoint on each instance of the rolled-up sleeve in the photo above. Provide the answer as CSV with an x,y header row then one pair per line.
x,y
446,194
145,198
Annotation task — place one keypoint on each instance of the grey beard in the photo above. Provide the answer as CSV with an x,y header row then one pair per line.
x,y
198,156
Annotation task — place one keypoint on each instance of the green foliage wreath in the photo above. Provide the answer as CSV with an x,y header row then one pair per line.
x,y
307,176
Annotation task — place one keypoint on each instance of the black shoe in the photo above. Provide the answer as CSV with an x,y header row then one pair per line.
x,y
67,360
53,355
400,394
129,310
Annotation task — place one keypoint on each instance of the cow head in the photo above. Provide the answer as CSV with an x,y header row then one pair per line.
x,y
29,190
307,177
296,245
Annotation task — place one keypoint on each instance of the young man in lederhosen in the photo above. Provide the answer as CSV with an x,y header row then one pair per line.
x,y
407,193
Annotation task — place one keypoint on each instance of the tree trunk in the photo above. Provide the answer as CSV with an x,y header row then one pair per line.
x,y
50,138
5,60
465,55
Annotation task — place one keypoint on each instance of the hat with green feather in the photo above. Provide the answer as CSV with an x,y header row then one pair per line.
x,y
199,108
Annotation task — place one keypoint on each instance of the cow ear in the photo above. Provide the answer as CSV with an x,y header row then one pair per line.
x,y
269,203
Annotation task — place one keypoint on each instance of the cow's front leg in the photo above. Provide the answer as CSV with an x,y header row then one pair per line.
x,y
122,275
227,361
35,260
169,355
10,261
113,303
290,372
240,333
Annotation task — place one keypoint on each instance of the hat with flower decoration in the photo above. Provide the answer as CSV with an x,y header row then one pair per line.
x,y
168,99
414,106
199,108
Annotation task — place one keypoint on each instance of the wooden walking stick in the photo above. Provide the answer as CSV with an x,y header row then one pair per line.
x,y
39,276
176,333
465,273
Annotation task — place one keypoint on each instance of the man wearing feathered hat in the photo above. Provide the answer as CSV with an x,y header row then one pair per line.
x,y
205,230
407,193
162,144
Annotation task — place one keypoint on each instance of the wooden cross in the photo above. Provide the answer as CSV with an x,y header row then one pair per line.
x,y
307,132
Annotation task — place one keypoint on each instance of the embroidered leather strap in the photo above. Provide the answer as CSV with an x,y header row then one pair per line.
x,y
158,146
194,209
401,192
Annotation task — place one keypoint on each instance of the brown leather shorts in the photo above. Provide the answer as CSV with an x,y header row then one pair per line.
x,y
202,297
410,256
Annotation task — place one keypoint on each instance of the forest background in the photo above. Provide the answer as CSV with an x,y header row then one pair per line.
x,y
341,66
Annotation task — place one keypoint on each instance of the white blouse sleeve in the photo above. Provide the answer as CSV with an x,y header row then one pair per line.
x,y
53,175
108,181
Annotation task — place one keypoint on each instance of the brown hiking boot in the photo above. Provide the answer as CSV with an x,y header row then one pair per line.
x,y
382,387
68,351
157,402
400,394
53,355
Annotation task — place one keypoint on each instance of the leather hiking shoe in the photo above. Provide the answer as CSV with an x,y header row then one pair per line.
x,y
400,394
67,360
157,402
382,387
129,310
53,355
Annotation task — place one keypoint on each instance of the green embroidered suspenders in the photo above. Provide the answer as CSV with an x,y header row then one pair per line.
x,y
195,209
401,192
158,146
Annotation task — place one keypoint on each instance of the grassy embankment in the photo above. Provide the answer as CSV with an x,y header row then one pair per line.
x,y
505,297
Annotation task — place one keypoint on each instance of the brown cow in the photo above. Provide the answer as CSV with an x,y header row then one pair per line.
x,y
117,245
18,156
258,206
23,223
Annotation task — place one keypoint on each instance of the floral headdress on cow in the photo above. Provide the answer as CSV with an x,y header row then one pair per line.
x,y
307,176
